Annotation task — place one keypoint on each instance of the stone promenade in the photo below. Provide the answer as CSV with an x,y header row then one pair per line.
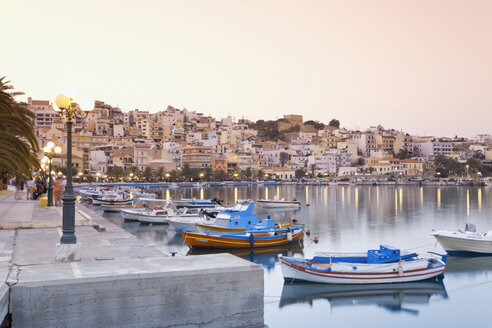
x,y
120,280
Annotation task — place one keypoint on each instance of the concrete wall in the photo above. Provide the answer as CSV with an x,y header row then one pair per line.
x,y
218,297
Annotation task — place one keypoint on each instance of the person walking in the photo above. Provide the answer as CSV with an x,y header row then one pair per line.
x,y
58,191
30,189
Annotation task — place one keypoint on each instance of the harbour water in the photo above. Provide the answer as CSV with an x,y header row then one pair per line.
x,y
356,218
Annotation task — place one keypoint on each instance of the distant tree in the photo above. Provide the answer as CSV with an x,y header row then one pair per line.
x,y
220,175
360,161
317,125
248,173
116,172
135,170
284,158
403,154
474,165
478,155
335,123
446,166
313,169
300,173
63,170
260,174
159,174
148,174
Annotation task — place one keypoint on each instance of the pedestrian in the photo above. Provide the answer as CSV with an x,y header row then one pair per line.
x,y
58,191
30,189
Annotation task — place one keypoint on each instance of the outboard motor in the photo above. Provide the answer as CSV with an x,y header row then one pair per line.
x,y
217,201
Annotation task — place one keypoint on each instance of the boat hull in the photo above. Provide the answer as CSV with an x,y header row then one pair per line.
x,y
200,240
96,201
278,204
294,271
461,245
118,208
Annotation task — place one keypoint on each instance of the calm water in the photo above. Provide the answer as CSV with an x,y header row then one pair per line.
x,y
356,219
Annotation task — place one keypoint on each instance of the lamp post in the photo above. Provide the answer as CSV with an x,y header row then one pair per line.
x,y
67,111
48,152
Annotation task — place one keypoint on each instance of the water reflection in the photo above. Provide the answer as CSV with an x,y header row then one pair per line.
x,y
266,257
392,297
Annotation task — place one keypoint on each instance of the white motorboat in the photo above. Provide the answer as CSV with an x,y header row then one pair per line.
x,y
96,192
189,220
138,205
111,200
468,242
386,265
197,203
277,202
150,214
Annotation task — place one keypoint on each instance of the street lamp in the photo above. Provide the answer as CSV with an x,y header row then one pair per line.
x,y
48,151
66,110
467,167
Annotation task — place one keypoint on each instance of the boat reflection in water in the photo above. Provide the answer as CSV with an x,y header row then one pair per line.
x,y
266,257
470,266
392,297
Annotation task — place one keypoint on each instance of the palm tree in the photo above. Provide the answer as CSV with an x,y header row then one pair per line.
x,y
313,169
18,143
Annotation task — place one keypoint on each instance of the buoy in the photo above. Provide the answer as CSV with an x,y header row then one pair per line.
x,y
294,219
150,224
308,232
307,204
316,240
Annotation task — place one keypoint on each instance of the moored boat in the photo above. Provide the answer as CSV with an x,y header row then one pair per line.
x,y
277,202
110,200
236,219
138,205
462,243
386,265
251,239
201,203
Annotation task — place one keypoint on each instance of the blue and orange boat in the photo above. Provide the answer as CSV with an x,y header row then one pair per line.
x,y
249,239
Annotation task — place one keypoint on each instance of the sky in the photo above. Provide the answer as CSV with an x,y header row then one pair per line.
x,y
423,67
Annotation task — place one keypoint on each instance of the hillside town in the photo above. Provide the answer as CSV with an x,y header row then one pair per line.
x,y
138,144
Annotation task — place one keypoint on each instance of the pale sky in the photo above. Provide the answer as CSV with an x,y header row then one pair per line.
x,y
421,66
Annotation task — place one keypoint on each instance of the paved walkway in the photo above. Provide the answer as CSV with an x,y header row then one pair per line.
x,y
22,213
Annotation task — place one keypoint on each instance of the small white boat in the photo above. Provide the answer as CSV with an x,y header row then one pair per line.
x,y
96,192
188,220
110,200
197,203
150,214
138,205
277,202
386,265
468,242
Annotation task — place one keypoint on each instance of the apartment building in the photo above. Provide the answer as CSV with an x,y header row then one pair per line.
x,y
197,156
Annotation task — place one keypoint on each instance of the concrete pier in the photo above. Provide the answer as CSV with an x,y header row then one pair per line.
x,y
121,281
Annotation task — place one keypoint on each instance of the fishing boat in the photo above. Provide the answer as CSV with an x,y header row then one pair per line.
x,y
96,192
263,237
194,216
278,202
463,243
201,203
385,265
138,205
111,200
150,214
236,219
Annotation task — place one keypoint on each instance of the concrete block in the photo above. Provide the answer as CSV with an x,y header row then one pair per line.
x,y
176,296
67,252
4,300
